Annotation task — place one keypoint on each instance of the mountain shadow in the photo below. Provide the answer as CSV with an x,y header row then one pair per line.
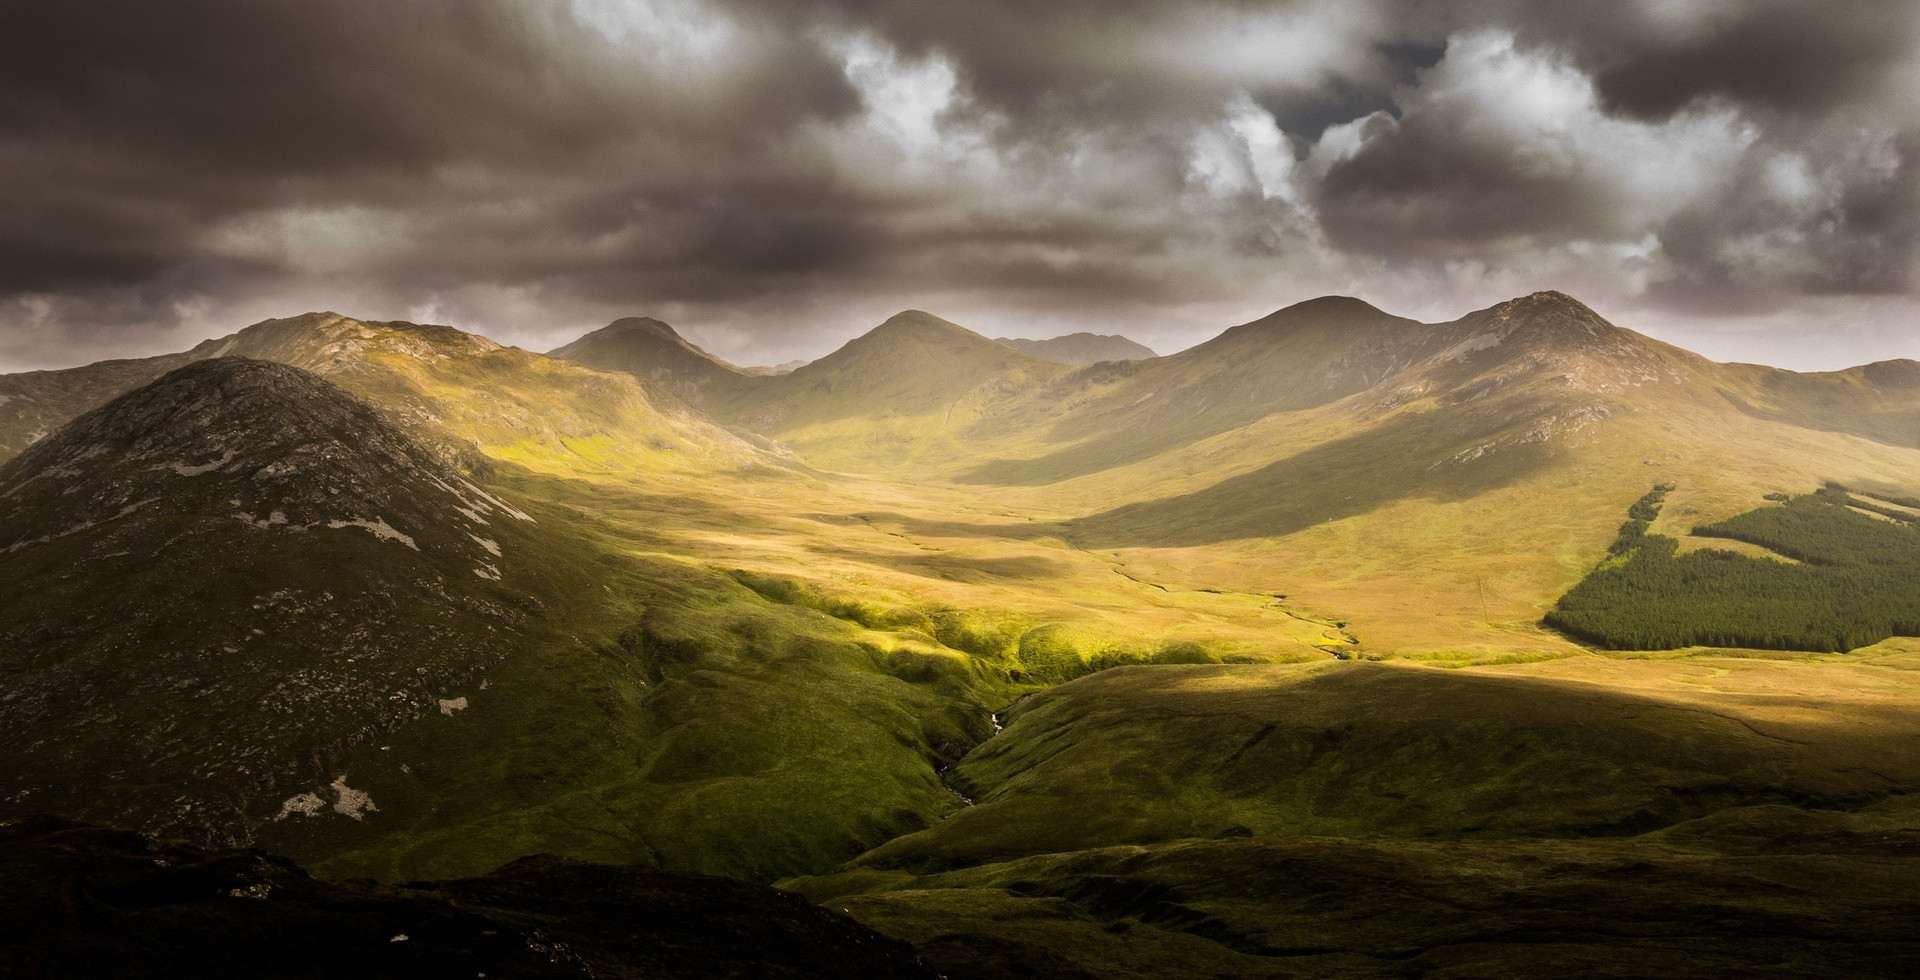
x,y
1439,455
81,901
1878,401
1305,356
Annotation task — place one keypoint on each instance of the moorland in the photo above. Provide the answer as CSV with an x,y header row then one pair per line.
x,y
1339,645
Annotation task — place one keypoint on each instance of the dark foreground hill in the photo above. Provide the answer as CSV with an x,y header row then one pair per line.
x,y
215,585
81,901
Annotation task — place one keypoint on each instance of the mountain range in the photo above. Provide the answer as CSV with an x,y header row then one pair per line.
x,y
1022,660
1079,349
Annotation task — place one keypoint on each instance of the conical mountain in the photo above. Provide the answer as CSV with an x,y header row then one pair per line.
x,y
1081,349
914,362
649,349
218,583
903,390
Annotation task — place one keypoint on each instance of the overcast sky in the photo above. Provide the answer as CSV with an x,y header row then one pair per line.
x,y
777,176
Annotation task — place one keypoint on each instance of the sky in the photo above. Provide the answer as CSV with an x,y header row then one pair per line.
x,y
774,177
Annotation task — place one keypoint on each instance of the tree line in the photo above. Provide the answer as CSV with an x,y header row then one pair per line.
x,y
1858,582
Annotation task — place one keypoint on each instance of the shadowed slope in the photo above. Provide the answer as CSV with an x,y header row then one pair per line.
x,y
1587,817
1139,755
84,901
649,349
1878,401
244,607
215,585
1308,354
1511,391
1783,895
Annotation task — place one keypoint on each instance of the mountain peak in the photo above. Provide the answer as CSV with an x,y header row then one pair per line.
x,y
261,442
913,333
645,325
1323,305
1340,312
1077,349
262,561
1897,373
920,322
1549,302
1548,318
327,342
653,351
638,343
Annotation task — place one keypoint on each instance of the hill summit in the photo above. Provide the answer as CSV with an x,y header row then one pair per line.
x,y
650,349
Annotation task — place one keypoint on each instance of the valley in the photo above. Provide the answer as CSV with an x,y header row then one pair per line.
x,y
1256,659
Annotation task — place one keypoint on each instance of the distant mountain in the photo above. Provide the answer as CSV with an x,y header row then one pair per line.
x,y
1332,436
649,349
217,584
1079,349
784,367
904,389
463,396
912,363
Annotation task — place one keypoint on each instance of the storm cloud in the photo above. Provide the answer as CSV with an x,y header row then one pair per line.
x,y
1742,177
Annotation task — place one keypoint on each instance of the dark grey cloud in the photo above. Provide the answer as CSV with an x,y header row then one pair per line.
x,y
782,174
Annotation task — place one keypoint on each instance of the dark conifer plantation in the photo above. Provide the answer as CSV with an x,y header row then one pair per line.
x,y
1857,581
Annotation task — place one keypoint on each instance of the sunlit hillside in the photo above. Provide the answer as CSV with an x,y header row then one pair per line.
x,y
1007,658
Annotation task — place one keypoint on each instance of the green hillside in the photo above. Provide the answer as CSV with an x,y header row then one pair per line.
x,y
1371,820
1121,670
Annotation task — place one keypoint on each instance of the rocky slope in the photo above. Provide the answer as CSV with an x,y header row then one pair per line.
x,y
215,585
